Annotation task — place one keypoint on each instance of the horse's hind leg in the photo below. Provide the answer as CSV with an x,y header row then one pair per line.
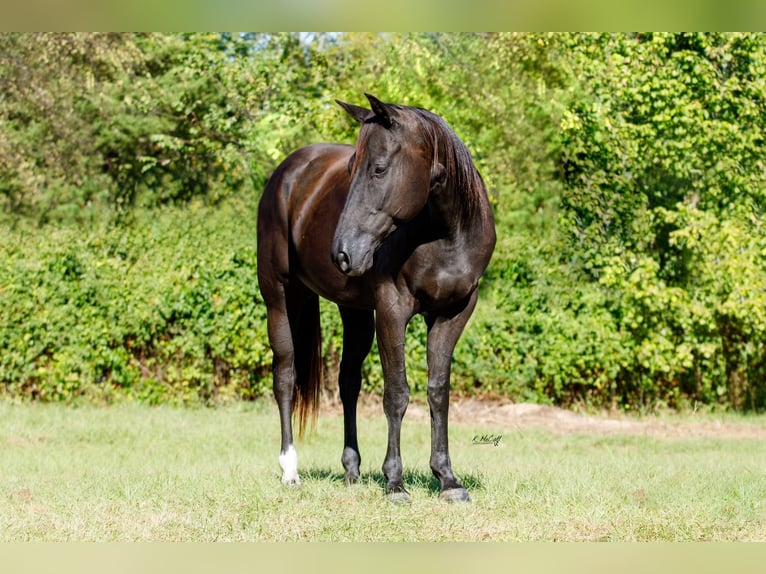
x,y
358,333
284,313
280,338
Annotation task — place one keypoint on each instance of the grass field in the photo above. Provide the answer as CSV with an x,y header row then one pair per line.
x,y
164,474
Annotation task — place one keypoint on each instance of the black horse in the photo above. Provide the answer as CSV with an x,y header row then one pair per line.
x,y
395,226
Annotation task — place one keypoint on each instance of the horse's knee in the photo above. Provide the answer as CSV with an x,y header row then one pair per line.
x,y
395,401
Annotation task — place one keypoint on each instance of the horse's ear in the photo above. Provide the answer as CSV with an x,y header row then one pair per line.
x,y
438,176
385,112
359,113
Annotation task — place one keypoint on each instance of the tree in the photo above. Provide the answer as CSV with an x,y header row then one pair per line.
x,y
48,82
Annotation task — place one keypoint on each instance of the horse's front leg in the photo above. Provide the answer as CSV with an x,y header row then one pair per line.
x,y
391,325
443,333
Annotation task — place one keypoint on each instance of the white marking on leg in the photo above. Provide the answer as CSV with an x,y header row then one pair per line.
x,y
289,463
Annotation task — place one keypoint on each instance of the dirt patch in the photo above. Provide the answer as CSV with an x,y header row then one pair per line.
x,y
24,441
524,415
493,416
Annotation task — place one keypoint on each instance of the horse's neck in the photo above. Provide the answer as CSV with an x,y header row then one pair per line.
x,y
447,208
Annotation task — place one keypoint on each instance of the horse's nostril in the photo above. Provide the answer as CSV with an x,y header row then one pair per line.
x,y
343,262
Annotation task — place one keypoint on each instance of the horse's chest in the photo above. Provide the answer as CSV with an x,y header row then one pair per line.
x,y
443,282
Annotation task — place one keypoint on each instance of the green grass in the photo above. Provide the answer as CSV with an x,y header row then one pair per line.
x,y
138,473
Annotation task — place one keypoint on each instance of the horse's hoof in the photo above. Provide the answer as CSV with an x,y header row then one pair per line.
x,y
399,497
455,495
291,482
351,479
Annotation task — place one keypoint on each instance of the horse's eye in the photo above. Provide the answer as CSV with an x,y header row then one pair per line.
x,y
351,161
380,169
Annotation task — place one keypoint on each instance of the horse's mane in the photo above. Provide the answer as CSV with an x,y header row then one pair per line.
x,y
450,151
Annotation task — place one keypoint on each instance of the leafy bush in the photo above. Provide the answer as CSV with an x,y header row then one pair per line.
x,y
167,308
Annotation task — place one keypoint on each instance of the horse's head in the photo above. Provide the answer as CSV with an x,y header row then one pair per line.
x,y
391,177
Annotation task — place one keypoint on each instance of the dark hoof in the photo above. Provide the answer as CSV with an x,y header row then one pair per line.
x,y
351,460
455,495
351,479
399,497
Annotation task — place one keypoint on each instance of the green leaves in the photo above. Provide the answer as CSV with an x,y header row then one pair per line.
x,y
664,195
166,309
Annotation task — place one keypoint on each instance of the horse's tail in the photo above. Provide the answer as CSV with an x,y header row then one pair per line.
x,y
308,364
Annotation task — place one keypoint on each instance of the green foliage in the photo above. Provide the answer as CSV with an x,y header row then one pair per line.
x,y
165,309
664,177
626,172
541,335
47,170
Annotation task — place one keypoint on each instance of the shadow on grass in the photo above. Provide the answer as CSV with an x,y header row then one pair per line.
x,y
412,479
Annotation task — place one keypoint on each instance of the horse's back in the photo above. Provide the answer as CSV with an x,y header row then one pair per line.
x,y
304,166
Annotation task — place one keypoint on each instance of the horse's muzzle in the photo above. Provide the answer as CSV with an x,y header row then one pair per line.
x,y
351,259
342,262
